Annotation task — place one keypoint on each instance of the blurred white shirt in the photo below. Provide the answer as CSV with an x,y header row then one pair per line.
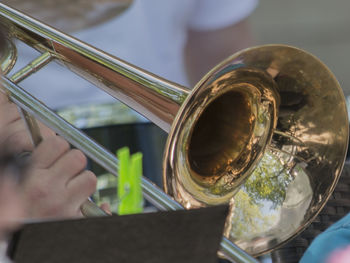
x,y
149,34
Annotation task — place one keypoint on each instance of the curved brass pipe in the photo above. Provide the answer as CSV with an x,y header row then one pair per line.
x,y
8,58
280,163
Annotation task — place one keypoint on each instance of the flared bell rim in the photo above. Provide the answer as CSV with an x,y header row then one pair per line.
x,y
277,54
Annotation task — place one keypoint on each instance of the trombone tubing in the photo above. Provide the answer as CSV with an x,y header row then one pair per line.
x,y
152,96
103,157
114,76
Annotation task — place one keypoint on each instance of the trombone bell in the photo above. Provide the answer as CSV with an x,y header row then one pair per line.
x,y
267,132
225,125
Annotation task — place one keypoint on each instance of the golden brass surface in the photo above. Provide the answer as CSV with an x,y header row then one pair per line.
x,y
275,186
8,57
222,132
265,131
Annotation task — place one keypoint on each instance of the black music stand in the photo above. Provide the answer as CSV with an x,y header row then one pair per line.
x,y
176,236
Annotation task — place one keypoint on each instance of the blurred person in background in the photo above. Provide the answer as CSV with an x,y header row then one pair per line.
x,y
179,40
332,245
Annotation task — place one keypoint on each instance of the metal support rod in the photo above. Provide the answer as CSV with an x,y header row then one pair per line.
x,y
23,73
106,159
88,208
32,67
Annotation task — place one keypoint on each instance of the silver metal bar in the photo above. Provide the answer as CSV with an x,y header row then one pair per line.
x,y
32,67
234,253
23,73
106,159
88,208
77,138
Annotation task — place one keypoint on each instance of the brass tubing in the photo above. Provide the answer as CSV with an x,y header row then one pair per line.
x,y
8,58
156,98
106,159
32,67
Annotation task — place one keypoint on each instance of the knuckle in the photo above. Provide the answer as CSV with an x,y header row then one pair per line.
x,y
12,111
45,201
38,192
90,181
3,98
79,158
11,114
54,209
18,142
58,143
45,131
8,113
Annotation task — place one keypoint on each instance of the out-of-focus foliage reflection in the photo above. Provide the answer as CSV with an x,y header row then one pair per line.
x,y
248,218
257,204
268,182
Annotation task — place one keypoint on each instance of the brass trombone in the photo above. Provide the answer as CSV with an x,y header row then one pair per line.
x,y
266,131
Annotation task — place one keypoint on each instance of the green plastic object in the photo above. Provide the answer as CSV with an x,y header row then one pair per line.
x,y
130,199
